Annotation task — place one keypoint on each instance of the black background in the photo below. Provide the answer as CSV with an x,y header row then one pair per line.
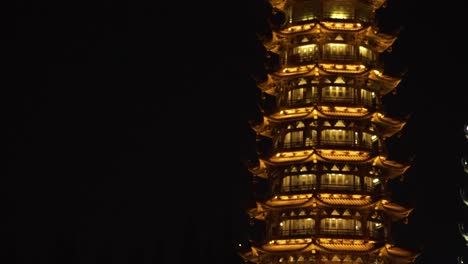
x,y
125,121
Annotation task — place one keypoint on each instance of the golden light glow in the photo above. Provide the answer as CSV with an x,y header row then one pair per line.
x,y
338,15
303,112
299,28
337,45
344,154
344,196
290,156
343,241
295,197
348,64
290,241
343,68
306,48
296,70
342,25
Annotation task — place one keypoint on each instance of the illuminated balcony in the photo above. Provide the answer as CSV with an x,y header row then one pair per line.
x,y
297,60
347,188
328,91
330,53
339,139
345,228
330,182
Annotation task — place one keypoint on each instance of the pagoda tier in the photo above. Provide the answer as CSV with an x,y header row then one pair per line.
x,y
386,126
331,251
345,177
319,76
321,182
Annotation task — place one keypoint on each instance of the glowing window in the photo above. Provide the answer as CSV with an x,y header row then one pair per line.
x,y
293,139
338,51
338,137
338,181
340,226
367,54
306,52
299,182
299,226
337,94
338,9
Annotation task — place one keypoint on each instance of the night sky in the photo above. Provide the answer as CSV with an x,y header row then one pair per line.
x,y
125,121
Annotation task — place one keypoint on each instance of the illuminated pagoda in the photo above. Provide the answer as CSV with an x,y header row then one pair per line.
x,y
322,188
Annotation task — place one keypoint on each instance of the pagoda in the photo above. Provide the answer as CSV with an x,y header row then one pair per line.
x,y
321,180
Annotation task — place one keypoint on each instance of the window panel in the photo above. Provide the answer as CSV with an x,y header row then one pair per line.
x,y
337,94
293,139
299,182
338,51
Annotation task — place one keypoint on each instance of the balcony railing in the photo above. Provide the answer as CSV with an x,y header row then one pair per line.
x,y
301,232
345,143
329,100
302,101
347,187
297,60
325,186
341,231
297,231
298,188
299,144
